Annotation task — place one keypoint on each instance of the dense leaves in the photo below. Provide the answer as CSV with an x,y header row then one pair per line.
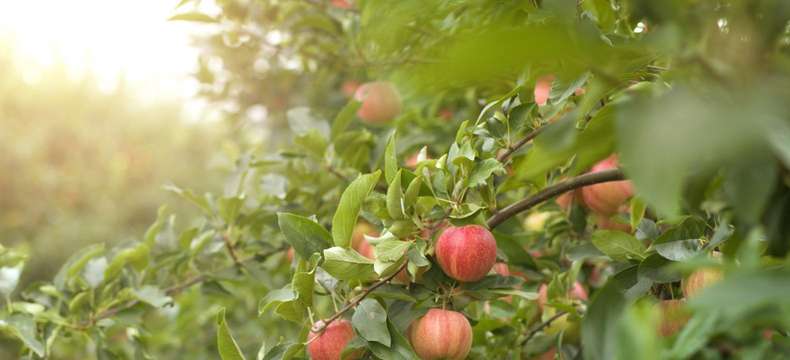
x,y
691,95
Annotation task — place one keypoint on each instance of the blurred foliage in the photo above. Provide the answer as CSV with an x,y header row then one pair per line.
x,y
692,95
79,165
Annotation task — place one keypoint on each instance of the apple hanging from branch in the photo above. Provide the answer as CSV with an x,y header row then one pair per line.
x,y
466,253
441,334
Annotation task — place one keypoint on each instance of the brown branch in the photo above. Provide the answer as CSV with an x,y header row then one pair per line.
x,y
231,250
542,326
513,148
552,191
358,299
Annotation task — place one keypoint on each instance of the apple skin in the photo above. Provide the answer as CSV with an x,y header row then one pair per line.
x,y
290,254
380,100
543,89
674,316
548,355
466,253
349,87
502,269
342,4
441,334
330,344
699,280
608,223
606,198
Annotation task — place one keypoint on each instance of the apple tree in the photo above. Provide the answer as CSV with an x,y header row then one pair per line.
x,y
433,179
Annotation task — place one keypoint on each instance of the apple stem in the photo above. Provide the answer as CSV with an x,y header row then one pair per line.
x,y
552,191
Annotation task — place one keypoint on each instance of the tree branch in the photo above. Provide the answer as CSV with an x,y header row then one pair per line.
x,y
552,191
358,299
513,148
542,326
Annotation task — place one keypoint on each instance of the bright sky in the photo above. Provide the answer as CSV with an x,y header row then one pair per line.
x,y
108,38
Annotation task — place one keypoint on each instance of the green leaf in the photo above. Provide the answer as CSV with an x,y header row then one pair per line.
x,y
137,256
348,209
305,235
391,168
193,16
618,245
694,335
638,208
229,207
600,324
484,170
347,264
391,250
156,227
394,197
226,345
24,328
400,348
76,262
370,321
344,118
412,192
679,250
153,296
740,292
200,201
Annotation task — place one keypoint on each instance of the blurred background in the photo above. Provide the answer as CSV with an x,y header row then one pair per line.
x,y
94,119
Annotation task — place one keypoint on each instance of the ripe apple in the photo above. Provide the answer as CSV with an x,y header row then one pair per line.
x,y
290,254
502,269
358,235
466,253
342,4
441,334
674,316
606,198
349,87
330,344
565,201
548,355
380,102
543,89
699,280
610,223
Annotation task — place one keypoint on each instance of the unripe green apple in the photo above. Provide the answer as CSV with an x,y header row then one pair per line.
x,y
466,253
606,198
699,280
441,334
380,102
330,344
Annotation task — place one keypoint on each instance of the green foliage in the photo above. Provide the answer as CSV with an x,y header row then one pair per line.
x,y
691,95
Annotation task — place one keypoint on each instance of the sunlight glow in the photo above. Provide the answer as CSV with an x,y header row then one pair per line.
x,y
107,39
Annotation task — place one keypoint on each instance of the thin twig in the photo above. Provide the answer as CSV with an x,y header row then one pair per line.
x,y
231,250
552,191
358,299
513,148
542,326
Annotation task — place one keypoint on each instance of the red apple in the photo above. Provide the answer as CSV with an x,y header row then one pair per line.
x,y
609,223
330,344
466,253
342,4
606,198
543,89
699,280
441,334
365,249
565,200
380,102
349,87
290,254
548,355
502,269
674,316
358,235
